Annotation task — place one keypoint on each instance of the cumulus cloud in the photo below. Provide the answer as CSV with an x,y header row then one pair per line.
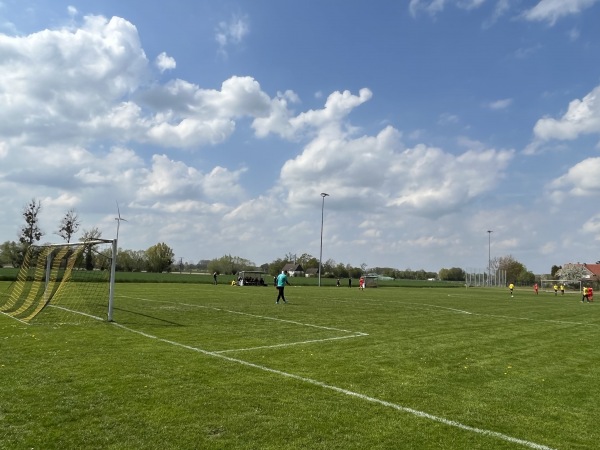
x,y
378,172
165,62
55,81
582,117
581,180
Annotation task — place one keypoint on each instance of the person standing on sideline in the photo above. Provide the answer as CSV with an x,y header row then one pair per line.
x,y
511,287
281,282
349,282
215,278
338,283
555,290
535,288
562,289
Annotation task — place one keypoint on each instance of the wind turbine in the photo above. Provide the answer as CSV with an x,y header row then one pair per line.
x,y
119,219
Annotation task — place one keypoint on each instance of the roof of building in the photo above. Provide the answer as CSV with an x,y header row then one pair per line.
x,y
594,268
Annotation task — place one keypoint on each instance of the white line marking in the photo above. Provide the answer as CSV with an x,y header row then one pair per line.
x,y
353,334
77,312
395,406
291,343
16,318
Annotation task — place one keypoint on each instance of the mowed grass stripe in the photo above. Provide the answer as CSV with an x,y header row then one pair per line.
x,y
523,367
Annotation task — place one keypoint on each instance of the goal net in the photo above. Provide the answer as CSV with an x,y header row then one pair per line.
x,y
571,286
68,282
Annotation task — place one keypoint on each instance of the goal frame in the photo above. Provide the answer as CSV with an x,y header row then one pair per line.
x,y
548,285
47,273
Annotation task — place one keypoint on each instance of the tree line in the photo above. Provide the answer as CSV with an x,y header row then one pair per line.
x,y
160,257
157,258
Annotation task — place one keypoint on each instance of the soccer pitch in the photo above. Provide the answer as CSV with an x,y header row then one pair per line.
x,y
188,366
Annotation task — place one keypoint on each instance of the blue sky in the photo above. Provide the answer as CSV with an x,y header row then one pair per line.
x,y
216,126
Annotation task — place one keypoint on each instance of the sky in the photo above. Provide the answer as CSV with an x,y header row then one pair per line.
x,y
214,127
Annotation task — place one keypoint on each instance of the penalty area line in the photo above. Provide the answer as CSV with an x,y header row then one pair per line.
x,y
290,344
414,412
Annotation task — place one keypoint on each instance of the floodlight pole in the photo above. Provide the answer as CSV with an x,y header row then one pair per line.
x,y
489,256
323,195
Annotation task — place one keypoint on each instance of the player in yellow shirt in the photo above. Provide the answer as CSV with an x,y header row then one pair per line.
x,y
585,297
511,287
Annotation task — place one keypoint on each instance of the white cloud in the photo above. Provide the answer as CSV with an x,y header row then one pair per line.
x,y
433,7
231,33
378,172
165,62
582,117
448,119
57,80
500,104
552,10
581,180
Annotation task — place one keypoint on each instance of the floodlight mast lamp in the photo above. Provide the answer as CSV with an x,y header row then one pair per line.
x,y
323,195
489,256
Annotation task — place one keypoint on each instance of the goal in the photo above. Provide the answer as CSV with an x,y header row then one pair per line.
x,y
66,281
571,286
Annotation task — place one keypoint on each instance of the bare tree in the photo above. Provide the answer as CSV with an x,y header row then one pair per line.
x,y
90,235
69,225
31,232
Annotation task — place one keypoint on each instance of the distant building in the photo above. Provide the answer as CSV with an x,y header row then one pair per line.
x,y
311,272
294,270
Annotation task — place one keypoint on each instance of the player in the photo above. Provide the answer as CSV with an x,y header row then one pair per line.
x,y
511,287
535,288
585,297
590,294
562,289
281,282
361,283
555,289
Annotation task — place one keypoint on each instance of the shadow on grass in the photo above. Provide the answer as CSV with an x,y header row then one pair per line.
x,y
165,322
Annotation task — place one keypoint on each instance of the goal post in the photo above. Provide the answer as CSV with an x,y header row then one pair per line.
x,y
71,279
571,286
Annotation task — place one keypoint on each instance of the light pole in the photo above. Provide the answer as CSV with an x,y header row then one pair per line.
x,y
489,256
323,195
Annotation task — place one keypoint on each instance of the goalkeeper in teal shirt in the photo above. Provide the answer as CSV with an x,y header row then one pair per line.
x,y
281,282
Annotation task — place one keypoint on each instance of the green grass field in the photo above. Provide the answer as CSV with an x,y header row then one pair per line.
x,y
196,366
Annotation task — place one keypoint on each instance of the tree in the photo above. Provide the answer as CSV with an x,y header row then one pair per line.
x,y
31,232
160,257
230,264
90,235
452,274
516,272
69,225
131,261
572,272
308,261
11,253
553,271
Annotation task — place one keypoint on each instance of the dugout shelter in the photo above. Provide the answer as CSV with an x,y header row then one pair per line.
x,y
371,280
251,278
